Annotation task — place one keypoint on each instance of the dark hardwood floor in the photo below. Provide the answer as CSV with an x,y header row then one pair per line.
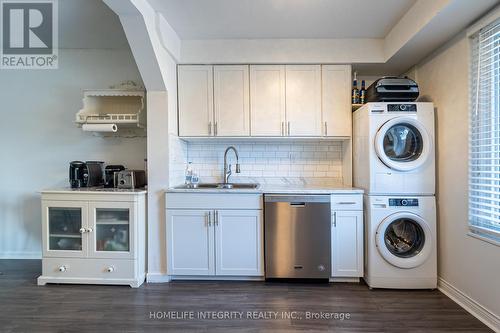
x,y
26,307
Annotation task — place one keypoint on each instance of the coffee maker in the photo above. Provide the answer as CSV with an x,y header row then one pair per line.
x,y
78,174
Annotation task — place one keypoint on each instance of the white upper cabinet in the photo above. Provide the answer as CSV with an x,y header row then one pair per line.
x,y
195,97
303,100
264,100
336,100
231,100
267,100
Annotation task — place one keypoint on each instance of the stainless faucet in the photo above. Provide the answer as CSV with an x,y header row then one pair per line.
x,y
227,168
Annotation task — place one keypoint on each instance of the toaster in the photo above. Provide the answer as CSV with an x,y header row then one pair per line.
x,y
130,179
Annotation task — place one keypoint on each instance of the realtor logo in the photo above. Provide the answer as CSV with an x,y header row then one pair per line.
x,y
28,34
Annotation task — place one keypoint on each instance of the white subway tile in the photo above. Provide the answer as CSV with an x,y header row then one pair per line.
x,y
318,161
319,174
309,167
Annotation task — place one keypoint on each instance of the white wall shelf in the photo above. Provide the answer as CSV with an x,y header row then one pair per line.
x,y
121,107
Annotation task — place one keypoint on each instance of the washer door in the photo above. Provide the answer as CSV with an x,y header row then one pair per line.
x,y
404,240
402,144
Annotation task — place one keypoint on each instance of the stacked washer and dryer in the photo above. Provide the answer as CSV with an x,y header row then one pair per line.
x,y
394,162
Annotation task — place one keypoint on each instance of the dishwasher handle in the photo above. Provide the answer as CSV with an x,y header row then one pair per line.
x,y
297,204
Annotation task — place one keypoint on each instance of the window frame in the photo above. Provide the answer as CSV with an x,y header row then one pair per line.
x,y
479,232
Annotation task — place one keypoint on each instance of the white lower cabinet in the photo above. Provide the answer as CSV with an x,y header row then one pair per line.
x,y
238,242
190,242
347,241
347,244
220,241
93,237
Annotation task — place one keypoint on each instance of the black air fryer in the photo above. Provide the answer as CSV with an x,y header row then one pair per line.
x,y
78,174
96,173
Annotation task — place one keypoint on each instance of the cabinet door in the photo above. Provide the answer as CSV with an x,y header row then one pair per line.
x,y
267,100
195,98
239,242
231,98
64,228
190,242
303,100
336,100
112,230
347,244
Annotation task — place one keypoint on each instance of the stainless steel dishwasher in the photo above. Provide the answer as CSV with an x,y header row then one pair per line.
x,y
297,236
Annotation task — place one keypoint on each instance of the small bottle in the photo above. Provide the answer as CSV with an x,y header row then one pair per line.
x,y
362,93
189,174
355,91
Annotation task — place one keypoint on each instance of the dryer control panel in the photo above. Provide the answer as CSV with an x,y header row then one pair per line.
x,y
403,202
401,107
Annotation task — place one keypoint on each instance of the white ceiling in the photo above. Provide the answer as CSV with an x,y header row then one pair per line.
x,y
262,19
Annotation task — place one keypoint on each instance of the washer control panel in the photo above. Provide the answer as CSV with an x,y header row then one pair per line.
x,y
401,107
403,202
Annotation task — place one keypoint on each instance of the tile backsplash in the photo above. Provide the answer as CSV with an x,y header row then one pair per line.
x,y
177,161
316,162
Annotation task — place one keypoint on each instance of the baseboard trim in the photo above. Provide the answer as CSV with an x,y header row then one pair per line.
x,y
344,279
474,308
216,278
20,255
157,278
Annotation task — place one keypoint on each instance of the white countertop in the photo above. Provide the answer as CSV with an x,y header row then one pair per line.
x,y
276,189
94,190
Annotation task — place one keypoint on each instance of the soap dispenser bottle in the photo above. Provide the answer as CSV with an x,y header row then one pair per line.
x,y
189,174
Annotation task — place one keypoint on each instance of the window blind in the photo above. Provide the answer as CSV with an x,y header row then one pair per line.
x,y
484,136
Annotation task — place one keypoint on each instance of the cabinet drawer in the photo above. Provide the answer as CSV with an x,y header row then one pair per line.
x,y
88,268
347,202
213,201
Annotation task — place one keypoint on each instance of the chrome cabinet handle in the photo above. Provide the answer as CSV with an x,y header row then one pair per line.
x,y
334,219
209,218
216,217
215,129
346,203
110,269
288,128
326,129
89,229
209,128
82,230
62,269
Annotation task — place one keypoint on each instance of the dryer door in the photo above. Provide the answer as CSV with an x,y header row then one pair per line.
x,y
403,144
404,240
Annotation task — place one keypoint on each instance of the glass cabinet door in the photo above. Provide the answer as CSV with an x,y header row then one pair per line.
x,y
64,228
112,229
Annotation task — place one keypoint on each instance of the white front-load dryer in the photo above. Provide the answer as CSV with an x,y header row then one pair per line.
x,y
393,148
400,242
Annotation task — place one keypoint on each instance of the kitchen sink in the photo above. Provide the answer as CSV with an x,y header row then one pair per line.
x,y
234,186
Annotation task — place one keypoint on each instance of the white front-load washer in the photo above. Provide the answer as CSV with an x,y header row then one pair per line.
x,y
393,148
400,242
